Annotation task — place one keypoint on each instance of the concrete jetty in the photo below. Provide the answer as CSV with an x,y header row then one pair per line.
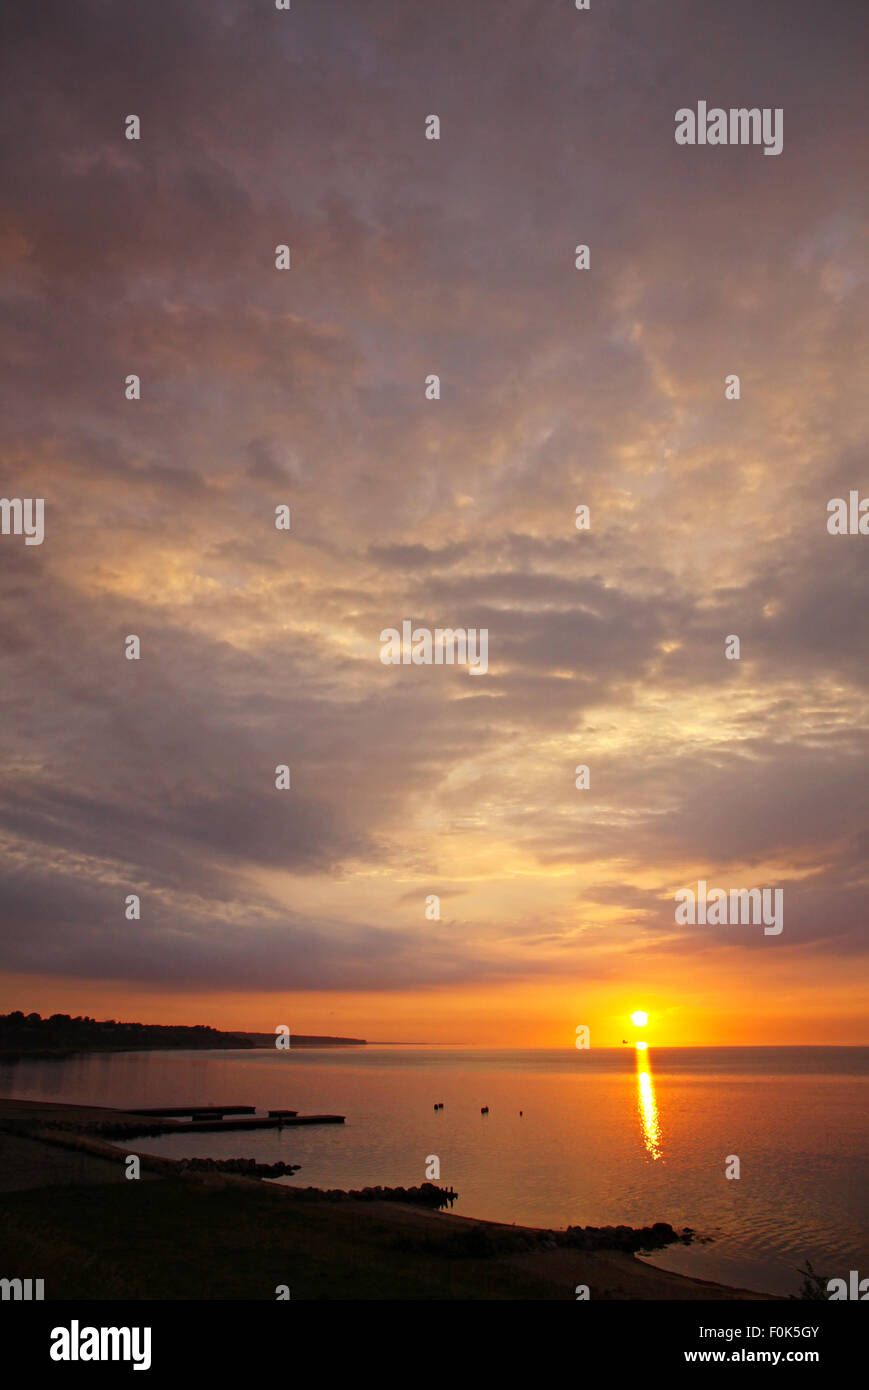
x,y
213,1125
143,1122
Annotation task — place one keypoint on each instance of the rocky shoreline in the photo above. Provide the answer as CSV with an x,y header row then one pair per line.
x,y
245,1167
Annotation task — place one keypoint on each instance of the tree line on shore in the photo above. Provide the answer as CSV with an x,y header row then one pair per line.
x,y
21,1032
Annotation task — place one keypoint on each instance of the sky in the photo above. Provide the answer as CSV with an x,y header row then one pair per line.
x,y
559,387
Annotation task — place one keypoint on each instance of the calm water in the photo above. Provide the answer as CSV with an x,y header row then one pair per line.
x,y
606,1137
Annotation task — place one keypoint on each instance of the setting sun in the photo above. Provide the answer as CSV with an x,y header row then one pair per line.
x,y
640,1018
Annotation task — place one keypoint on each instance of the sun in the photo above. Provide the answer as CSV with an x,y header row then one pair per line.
x,y
640,1019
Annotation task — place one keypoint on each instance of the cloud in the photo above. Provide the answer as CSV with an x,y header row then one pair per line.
x,y
559,388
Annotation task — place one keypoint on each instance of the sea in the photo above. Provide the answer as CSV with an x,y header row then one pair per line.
x,y
572,1137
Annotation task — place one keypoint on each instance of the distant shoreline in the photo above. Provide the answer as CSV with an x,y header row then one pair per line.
x,y
62,1036
8,1054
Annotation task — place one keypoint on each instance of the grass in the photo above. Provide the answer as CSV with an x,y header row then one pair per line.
x,y
176,1240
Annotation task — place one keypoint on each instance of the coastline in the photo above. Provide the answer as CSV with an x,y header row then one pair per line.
x,y
229,1230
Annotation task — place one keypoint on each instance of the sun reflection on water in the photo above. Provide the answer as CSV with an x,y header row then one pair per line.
x,y
648,1106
